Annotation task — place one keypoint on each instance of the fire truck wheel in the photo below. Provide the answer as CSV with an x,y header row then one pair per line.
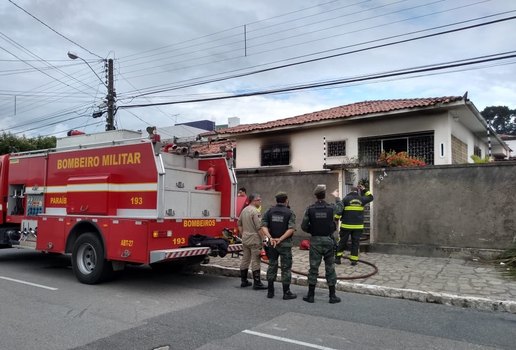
x,y
88,263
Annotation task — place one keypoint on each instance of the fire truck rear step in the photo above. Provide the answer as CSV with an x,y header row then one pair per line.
x,y
26,245
171,254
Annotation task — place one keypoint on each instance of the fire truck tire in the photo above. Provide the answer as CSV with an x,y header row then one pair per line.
x,y
88,262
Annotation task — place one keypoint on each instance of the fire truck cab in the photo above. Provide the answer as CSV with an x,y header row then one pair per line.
x,y
115,198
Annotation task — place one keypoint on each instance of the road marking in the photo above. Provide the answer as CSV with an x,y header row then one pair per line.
x,y
287,340
28,283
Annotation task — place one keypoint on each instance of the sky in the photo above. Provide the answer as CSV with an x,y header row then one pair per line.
x,y
193,57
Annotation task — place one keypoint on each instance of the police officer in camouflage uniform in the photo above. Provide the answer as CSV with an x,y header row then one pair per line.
x,y
278,224
318,221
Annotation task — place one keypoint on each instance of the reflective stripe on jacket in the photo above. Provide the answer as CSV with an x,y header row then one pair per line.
x,y
351,210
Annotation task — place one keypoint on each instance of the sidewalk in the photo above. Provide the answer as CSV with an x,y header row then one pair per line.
x,y
471,284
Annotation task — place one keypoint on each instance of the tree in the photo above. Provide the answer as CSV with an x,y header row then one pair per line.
x,y
11,143
502,119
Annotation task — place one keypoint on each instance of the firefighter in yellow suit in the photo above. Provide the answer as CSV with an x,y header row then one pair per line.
x,y
350,212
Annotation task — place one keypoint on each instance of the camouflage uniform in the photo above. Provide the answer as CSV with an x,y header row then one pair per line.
x,y
318,221
321,246
283,250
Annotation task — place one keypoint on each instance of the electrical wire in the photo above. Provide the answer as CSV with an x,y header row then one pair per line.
x,y
125,58
333,55
300,86
41,71
204,49
52,29
329,83
161,66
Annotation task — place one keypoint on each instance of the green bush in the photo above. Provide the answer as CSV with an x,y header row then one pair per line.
x,y
478,160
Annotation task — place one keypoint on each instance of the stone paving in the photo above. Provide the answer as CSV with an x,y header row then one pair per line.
x,y
466,283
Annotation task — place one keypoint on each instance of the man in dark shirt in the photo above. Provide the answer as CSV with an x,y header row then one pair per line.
x,y
318,221
278,224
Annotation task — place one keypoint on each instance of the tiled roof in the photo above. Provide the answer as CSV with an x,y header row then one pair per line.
x,y
342,112
213,147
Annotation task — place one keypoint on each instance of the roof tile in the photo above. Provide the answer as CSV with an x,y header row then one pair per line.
x,y
342,112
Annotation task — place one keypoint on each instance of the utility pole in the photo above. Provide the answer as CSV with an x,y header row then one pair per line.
x,y
111,94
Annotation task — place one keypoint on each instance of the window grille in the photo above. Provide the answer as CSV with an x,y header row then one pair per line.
x,y
275,155
336,148
369,151
421,146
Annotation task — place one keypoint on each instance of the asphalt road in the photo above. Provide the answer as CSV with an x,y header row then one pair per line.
x,y
42,306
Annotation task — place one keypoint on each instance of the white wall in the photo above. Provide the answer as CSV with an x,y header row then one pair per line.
x,y
306,145
512,145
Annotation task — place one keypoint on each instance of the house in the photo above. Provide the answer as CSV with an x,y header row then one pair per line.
x,y
337,146
442,130
510,140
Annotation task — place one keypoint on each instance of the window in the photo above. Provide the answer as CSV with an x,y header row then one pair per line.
x,y
416,145
275,155
336,148
397,145
477,151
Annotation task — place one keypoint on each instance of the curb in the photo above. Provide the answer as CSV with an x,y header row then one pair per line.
x,y
478,303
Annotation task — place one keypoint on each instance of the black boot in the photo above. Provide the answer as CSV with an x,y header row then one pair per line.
x,y
333,298
338,260
243,278
257,283
309,298
287,294
270,289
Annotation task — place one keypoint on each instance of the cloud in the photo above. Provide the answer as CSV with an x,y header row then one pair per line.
x,y
164,45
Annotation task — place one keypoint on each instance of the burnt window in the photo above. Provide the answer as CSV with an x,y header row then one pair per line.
x,y
336,148
275,155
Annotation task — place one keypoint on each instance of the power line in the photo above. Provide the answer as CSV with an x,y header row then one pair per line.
x,y
52,29
286,38
254,38
337,54
39,70
335,82
236,27
51,116
52,85
23,48
303,43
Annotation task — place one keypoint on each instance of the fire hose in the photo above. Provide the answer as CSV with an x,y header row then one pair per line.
x,y
342,278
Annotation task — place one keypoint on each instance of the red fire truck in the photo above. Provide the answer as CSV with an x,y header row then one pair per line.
x,y
113,199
